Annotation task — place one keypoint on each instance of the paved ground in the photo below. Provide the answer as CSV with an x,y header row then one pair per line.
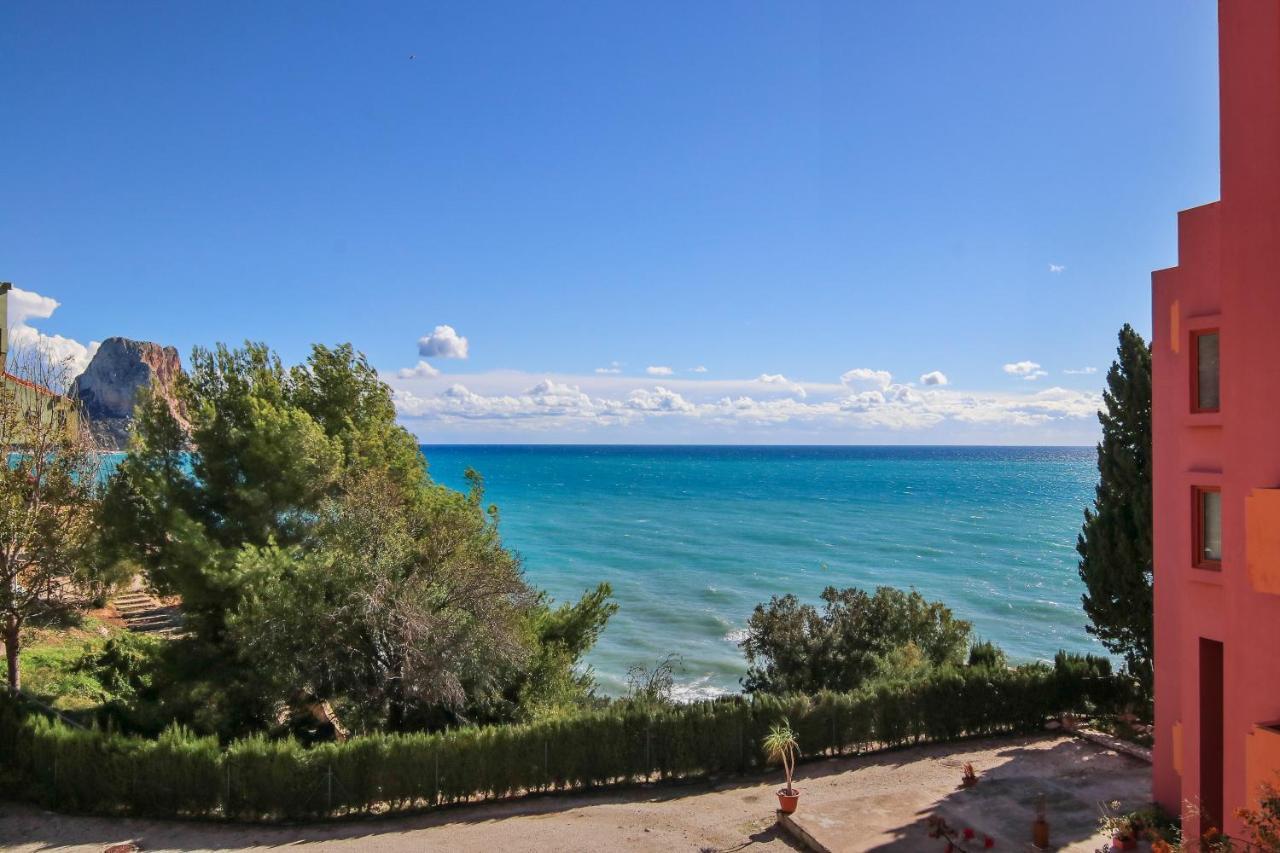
x,y
874,802
882,805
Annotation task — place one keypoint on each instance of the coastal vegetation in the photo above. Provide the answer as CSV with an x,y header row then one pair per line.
x,y
357,637
182,773
857,637
47,499
1115,542
316,561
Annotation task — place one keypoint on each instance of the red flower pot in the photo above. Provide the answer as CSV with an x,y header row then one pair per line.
x,y
788,800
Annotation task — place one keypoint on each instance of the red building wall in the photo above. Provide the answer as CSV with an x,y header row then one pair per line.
x,y
1227,278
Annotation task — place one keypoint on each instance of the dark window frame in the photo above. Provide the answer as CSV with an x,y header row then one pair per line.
x,y
1198,558
1196,408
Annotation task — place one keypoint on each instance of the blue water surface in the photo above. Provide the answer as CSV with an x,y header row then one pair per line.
x,y
692,538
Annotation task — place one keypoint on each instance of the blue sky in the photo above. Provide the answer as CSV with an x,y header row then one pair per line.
x,y
785,194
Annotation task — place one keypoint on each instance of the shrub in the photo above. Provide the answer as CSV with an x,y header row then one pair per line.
x,y
794,647
181,774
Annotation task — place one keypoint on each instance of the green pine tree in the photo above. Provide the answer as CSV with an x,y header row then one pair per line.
x,y
1115,543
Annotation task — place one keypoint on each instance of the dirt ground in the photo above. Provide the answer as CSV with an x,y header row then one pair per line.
x,y
734,815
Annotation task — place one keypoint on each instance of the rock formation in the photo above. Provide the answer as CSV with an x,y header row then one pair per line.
x,y
110,384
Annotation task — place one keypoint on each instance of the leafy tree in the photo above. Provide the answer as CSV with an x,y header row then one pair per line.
x,y
47,497
792,647
553,680
985,653
397,605
1115,542
316,559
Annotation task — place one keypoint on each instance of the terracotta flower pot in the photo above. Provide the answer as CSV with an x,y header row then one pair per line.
x,y
788,799
1040,833
1124,842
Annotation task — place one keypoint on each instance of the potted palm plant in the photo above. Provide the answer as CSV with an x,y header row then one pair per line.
x,y
781,746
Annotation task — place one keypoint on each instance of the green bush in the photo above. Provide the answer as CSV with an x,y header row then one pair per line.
x,y
256,778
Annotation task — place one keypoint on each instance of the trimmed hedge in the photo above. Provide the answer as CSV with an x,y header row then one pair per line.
x,y
181,774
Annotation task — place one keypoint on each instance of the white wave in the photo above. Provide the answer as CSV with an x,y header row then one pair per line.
x,y
736,636
696,690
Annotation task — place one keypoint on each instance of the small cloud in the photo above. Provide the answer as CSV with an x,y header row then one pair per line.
x,y
1083,371
866,379
782,382
1028,370
421,370
658,400
614,367
658,371
1057,268
934,377
699,369
444,342
1021,368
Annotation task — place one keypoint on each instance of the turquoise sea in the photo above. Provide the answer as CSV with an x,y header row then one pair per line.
x,y
692,538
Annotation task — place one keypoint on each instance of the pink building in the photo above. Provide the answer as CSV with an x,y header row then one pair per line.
x,y
1216,433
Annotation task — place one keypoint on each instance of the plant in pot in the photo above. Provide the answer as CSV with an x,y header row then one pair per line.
x,y
1040,826
780,745
1124,829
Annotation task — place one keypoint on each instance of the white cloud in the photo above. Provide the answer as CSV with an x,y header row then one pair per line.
x,y
699,369
658,371
934,377
1028,370
27,305
866,379
1057,268
779,381
613,407
658,399
444,342
1083,371
614,367
420,370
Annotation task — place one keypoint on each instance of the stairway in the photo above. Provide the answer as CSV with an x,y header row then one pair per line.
x,y
143,614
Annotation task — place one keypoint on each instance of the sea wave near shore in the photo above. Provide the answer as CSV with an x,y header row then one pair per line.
x,y
692,538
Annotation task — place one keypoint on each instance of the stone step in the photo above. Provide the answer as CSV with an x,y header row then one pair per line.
x,y
141,605
158,628
142,613
150,619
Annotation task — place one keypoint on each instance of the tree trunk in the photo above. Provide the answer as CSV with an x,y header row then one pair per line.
x,y
395,710
11,626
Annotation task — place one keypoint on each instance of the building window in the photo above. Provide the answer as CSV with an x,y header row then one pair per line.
x,y
1208,527
1204,374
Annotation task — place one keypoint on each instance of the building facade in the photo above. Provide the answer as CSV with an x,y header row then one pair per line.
x,y
1216,465
29,399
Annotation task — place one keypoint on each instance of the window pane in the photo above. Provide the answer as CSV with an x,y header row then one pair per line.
x,y
1211,526
1207,371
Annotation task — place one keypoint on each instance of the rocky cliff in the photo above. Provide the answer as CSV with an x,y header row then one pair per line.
x,y
109,386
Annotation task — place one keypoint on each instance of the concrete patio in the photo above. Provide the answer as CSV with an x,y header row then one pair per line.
x,y
882,802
